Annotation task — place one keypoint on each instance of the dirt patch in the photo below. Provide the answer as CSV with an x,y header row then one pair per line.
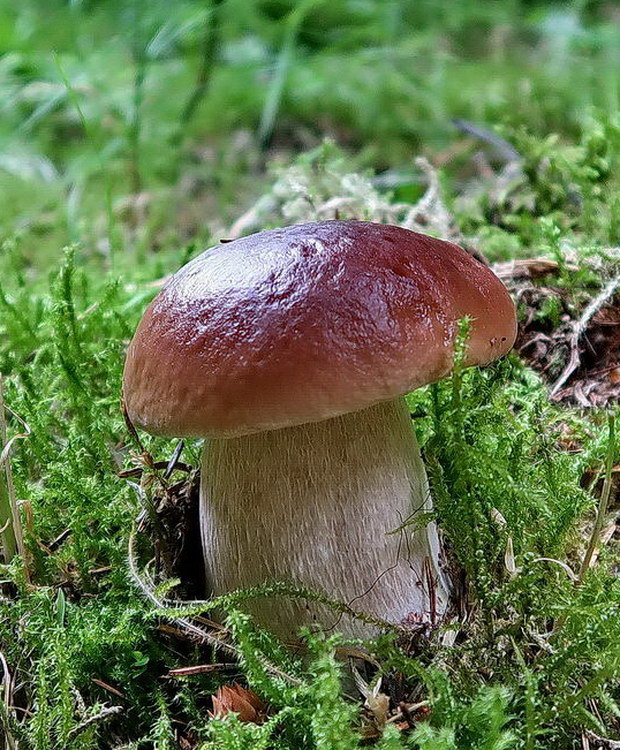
x,y
170,520
571,336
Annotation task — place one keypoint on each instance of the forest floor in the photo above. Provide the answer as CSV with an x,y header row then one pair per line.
x,y
133,135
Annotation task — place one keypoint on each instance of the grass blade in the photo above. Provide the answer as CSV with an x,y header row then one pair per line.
x,y
10,523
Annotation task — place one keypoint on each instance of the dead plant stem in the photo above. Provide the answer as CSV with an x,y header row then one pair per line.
x,y
603,501
12,537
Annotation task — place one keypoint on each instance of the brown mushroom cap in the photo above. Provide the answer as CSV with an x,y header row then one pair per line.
x,y
305,323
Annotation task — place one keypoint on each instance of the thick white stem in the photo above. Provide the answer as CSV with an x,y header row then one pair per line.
x,y
319,505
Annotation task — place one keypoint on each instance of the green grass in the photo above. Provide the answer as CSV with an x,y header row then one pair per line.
x,y
110,180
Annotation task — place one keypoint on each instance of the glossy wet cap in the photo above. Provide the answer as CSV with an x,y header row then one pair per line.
x,y
305,323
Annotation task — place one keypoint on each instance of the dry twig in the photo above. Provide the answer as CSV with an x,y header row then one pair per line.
x,y
103,715
579,328
603,742
107,687
200,669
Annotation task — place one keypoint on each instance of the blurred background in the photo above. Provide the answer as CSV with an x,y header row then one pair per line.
x,y
132,126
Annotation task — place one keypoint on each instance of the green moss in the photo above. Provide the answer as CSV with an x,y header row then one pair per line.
x,y
537,657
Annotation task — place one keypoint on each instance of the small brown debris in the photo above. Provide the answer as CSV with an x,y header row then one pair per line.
x,y
107,687
200,669
529,268
100,571
571,336
239,700
55,543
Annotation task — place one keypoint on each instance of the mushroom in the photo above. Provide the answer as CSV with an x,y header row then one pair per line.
x,y
290,352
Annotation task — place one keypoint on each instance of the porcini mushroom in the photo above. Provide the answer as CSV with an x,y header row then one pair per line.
x,y
290,350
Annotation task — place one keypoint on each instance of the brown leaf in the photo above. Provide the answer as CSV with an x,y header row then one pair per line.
x,y
238,700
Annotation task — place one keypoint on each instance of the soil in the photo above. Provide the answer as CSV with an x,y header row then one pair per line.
x,y
546,340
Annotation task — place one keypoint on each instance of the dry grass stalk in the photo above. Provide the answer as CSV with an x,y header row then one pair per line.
x,y
595,537
200,669
7,693
12,533
185,624
106,713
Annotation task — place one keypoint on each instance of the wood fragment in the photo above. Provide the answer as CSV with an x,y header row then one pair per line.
x,y
411,712
503,148
239,700
528,268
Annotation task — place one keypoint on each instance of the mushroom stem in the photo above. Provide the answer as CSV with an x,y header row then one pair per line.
x,y
323,505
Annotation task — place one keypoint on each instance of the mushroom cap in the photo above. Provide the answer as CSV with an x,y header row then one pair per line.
x,y
305,323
